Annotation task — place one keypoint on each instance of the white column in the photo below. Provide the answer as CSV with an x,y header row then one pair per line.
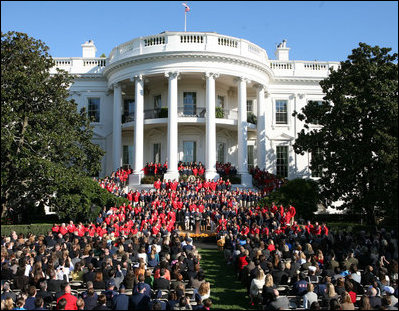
x,y
172,172
138,131
210,126
261,132
116,131
246,179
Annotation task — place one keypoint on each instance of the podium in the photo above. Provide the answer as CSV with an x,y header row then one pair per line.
x,y
197,226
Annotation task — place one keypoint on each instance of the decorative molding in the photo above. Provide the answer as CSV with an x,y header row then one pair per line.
x,y
242,79
213,75
174,55
172,74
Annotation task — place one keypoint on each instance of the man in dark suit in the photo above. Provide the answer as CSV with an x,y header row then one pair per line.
x,y
121,301
139,301
54,285
142,287
161,282
90,275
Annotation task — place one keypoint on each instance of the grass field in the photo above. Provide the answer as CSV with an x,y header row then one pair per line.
x,y
227,293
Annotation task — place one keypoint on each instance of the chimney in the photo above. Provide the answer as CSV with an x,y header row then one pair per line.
x,y
89,49
282,52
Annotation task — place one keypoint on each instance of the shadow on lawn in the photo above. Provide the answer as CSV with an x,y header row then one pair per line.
x,y
226,291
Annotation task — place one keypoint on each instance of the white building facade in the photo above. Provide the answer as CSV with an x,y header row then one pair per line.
x,y
188,96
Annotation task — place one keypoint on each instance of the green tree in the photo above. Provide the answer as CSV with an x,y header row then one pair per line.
x,y
45,141
357,145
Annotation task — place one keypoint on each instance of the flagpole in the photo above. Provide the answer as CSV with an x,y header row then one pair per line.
x,y
185,20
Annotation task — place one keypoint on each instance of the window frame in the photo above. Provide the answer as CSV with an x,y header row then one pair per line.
x,y
276,122
89,110
279,165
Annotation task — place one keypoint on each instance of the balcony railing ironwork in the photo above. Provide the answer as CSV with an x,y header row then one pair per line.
x,y
198,112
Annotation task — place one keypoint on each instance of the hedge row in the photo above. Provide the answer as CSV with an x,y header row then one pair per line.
x,y
36,229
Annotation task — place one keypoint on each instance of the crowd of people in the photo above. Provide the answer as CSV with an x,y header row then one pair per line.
x,y
314,268
67,270
132,257
266,181
225,169
189,168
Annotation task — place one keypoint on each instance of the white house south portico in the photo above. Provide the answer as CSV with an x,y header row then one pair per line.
x,y
182,96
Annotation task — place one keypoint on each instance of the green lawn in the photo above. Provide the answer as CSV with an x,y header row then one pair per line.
x,y
226,291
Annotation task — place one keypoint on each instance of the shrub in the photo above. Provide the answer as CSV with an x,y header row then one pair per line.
x,y
219,112
303,194
163,113
251,118
36,229
149,179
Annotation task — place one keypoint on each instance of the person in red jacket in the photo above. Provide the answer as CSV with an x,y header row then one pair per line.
x,y
292,212
71,299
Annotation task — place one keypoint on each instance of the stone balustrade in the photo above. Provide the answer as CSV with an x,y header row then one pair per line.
x,y
194,42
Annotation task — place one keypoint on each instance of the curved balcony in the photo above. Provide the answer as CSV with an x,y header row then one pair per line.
x,y
188,42
189,112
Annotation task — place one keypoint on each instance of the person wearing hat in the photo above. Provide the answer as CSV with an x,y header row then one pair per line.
x,y
110,293
312,277
121,301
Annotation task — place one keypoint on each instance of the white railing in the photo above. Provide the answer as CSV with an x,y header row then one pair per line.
x,y
185,41
63,62
281,66
191,39
94,62
226,41
157,40
315,66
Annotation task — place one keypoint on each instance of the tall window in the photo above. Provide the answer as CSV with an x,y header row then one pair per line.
x,y
190,103
281,112
221,152
128,110
250,105
250,149
316,170
282,161
157,153
157,102
127,156
94,109
189,151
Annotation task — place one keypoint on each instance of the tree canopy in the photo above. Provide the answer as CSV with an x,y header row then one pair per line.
x,y
45,142
356,147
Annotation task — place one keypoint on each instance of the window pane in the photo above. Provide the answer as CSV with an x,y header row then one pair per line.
x,y
190,103
281,112
250,156
221,148
282,161
189,151
249,106
128,110
157,153
125,156
157,102
94,109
